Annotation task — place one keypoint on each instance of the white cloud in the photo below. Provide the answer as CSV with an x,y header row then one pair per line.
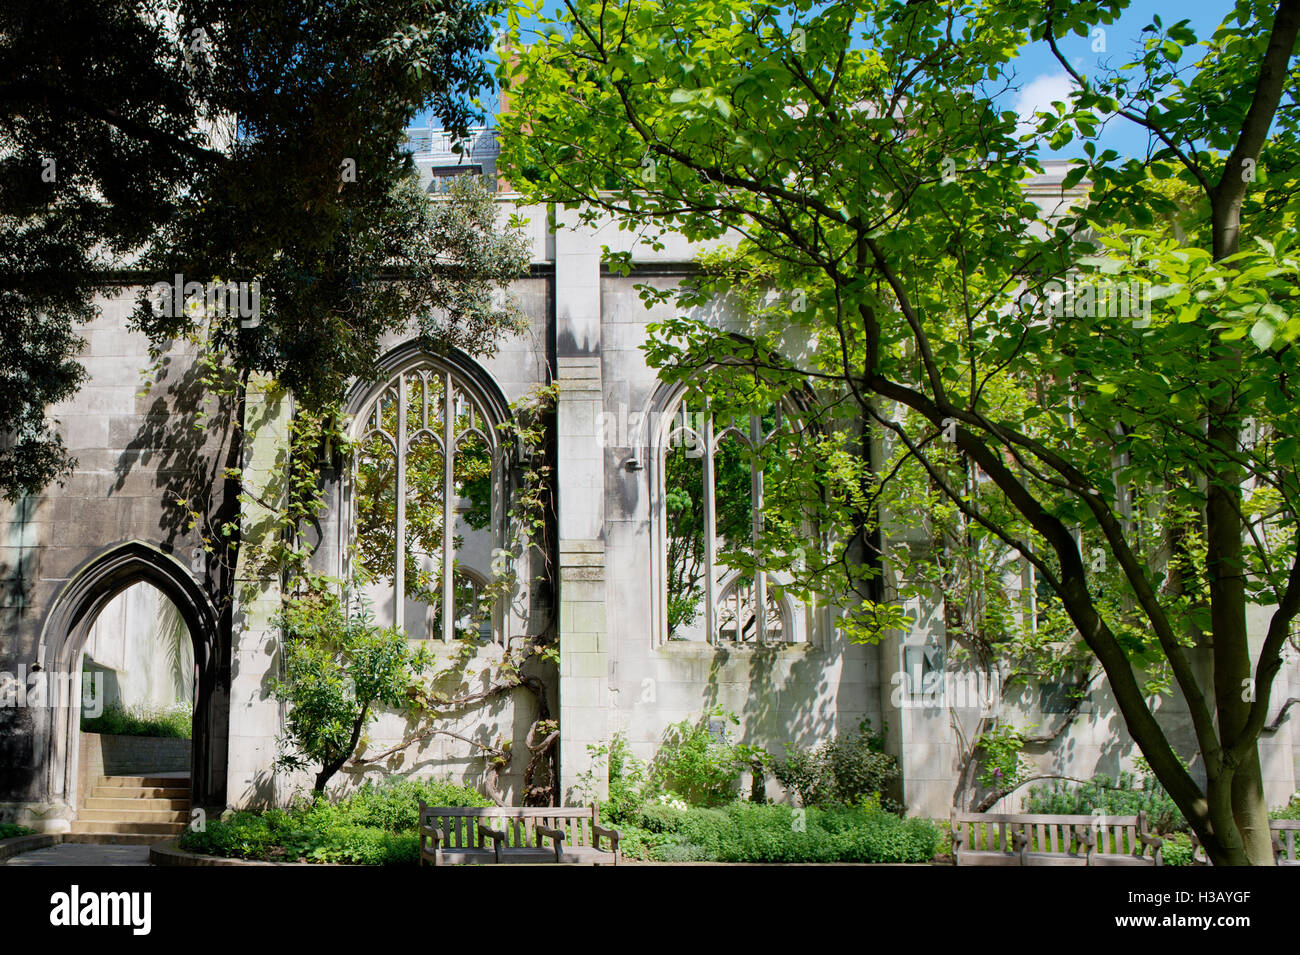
x,y
1039,94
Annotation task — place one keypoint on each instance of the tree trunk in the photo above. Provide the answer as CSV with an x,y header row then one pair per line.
x,y
1233,673
333,766
1234,688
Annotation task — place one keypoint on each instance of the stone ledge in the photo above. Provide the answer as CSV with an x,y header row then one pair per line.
x,y
579,572
171,854
698,648
42,840
582,545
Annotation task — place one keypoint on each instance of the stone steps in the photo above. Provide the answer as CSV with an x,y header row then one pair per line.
x,y
132,814
158,829
134,810
177,804
157,782
139,792
112,838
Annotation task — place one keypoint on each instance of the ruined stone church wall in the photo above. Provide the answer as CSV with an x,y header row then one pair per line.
x,y
143,437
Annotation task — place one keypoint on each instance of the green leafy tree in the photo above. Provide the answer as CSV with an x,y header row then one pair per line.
x,y
862,160
224,140
339,669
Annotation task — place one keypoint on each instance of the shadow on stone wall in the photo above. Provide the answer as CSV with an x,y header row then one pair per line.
x,y
176,444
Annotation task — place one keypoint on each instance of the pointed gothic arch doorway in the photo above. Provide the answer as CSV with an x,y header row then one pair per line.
x,y
63,641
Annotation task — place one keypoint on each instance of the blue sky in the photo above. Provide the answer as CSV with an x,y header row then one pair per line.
x,y
1041,79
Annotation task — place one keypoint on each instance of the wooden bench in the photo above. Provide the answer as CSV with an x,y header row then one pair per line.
x,y
1283,832
982,838
1284,840
470,835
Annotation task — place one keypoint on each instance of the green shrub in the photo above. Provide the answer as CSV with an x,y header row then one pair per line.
x,y
628,790
700,766
1099,795
10,830
394,806
1290,811
749,832
376,825
841,771
682,807
1177,849
173,721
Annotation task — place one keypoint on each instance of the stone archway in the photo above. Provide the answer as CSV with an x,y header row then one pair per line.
x,y
64,635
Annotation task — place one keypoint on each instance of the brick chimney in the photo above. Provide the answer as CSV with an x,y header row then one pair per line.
x,y
503,106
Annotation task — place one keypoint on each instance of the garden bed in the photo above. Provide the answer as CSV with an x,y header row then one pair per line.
x,y
747,832
376,825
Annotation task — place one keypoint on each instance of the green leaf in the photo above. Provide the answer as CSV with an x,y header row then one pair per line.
x,y
1074,176
1262,333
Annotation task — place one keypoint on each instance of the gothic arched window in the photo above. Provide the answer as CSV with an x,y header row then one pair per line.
x,y
708,502
426,493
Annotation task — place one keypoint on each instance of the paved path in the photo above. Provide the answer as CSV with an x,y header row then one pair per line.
x,y
75,853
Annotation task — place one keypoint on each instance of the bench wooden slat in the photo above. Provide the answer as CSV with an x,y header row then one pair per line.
x,y
459,839
1031,839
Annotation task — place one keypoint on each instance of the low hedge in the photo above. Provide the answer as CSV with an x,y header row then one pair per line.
x,y
376,825
751,832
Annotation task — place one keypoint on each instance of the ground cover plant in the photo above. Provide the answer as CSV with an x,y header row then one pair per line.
x,y
141,720
375,825
685,805
750,832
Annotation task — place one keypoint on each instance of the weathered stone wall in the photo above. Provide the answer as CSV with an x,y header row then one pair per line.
x,y
133,755
616,674
143,437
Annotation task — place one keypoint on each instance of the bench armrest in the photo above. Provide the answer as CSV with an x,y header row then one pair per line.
x,y
497,836
1087,839
555,835
437,836
1147,838
1155,842
958,830
598,832
549,832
